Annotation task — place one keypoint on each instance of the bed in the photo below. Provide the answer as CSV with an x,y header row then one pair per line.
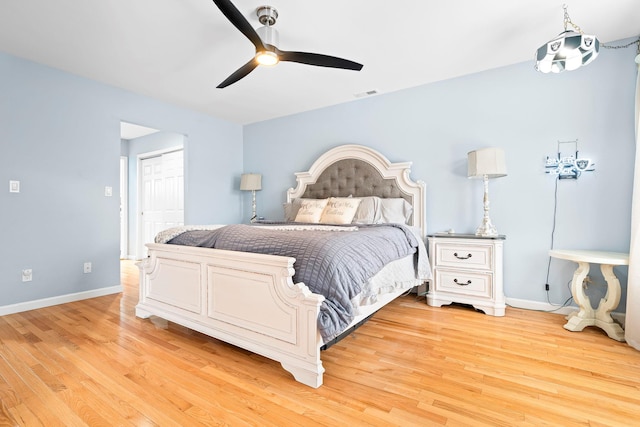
x,y
250,299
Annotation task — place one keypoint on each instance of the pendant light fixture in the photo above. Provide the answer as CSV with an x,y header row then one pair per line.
x,y
570,50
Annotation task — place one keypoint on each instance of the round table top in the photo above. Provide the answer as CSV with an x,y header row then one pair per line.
x,y
597,257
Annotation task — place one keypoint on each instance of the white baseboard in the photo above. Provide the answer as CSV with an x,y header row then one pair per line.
x,y
633,343
540,306
61,299
543,306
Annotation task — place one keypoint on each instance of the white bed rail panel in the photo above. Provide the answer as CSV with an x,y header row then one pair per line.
x,y
246,299
243,299
162,288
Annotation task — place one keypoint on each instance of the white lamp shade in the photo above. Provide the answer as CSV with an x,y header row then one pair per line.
x,y
251,181
487,161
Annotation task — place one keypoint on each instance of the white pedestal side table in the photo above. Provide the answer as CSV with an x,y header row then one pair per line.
x,y
587,315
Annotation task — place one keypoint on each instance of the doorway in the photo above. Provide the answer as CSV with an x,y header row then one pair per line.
x,y
137,144
161,195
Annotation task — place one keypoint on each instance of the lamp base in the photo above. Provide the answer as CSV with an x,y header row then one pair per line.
x,y
254,216
486,229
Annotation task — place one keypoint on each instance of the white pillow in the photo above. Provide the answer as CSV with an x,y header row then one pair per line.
x,y
396,210
367,211
310,210
340,210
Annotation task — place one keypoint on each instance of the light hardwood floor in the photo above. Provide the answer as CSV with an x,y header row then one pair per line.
x,y
94,363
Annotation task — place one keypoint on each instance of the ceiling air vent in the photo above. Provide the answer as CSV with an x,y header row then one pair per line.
x,y
367,93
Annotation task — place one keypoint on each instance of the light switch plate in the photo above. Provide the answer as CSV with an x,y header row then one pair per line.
x,y
14,186
108,191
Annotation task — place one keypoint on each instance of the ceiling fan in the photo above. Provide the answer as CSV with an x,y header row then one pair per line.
x,y
265,39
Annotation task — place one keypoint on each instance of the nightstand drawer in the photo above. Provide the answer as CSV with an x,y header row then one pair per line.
x,y
464,256
462,282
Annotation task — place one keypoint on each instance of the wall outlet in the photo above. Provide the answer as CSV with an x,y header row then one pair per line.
x,y
14,186
27,275
87,267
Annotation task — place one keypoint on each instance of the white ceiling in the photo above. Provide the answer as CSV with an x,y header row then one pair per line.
x,y
179,50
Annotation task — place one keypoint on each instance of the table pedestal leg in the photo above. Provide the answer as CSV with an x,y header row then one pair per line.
x,y
608,303
601,317
585,316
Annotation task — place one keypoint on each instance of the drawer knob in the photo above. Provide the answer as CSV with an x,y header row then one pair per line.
x,y
461,284
455,254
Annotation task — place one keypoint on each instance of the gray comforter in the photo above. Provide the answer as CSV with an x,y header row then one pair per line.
x,y
332,263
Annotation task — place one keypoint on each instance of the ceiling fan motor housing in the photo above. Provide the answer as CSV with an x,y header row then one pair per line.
x,y
267,15
268,35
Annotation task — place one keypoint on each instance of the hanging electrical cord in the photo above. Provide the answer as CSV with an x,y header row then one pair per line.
x,y
553,232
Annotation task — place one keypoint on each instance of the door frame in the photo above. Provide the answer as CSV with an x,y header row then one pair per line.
x,y
124,207
140,158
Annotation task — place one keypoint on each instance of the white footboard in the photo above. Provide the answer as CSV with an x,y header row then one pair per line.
x,y
246,299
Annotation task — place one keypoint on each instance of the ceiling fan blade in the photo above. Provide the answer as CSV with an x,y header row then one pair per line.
x,y
239,73
318,59
239,21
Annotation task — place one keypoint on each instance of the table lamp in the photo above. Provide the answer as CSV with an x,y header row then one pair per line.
x,y
251,182
486,163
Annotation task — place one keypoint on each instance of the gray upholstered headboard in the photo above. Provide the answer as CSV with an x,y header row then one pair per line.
x,y
359,171
354,177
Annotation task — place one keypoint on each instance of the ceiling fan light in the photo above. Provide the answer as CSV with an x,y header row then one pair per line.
x,y
270,38
569,51
267,57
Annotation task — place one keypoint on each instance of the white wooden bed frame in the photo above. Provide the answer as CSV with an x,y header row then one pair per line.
x,y
249,300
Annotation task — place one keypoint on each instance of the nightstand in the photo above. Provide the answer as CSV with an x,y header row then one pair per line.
x,y
467,269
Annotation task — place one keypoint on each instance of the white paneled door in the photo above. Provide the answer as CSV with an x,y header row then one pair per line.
x,y
173,176
161,196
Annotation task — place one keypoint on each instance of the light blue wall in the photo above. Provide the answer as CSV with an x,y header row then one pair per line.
x,y
515,108
60,137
